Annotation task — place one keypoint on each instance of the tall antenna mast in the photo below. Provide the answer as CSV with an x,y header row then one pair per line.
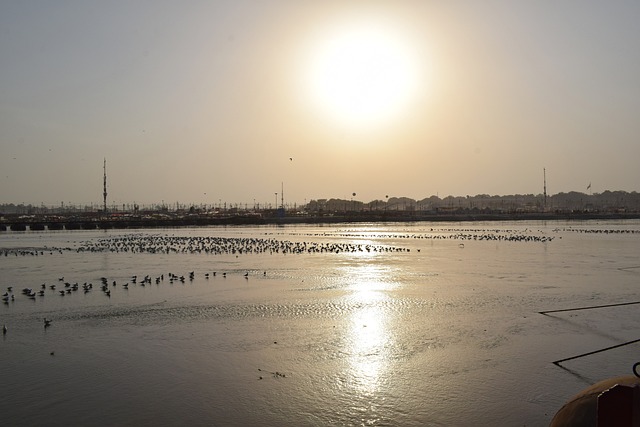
x,y
544,172
104,193
282,195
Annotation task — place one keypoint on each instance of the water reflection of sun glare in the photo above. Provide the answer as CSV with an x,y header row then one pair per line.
x,y
368,344
368,334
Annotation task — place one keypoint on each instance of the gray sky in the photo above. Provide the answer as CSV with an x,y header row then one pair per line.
x,y
208,101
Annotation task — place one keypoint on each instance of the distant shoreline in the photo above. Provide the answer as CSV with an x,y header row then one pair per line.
x,y
37,223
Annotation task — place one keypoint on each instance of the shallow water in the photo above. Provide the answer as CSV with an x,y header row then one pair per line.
x,y
394,324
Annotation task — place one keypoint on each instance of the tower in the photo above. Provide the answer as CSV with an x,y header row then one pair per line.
x,y
544,174
104,193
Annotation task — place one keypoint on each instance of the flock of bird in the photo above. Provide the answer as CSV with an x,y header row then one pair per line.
x,y
143,243
226,245
601,231
159,244
165,244
223,245
64,288
451,234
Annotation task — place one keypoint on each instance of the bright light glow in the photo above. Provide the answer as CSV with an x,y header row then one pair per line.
x,y
363,75
368,352
369,335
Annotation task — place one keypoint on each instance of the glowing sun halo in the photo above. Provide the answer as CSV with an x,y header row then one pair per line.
x,y
362,76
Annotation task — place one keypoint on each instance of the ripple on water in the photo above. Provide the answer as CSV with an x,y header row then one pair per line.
x,y
165,312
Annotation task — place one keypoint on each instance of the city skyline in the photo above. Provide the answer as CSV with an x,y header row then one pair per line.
x,y
199,102
608,200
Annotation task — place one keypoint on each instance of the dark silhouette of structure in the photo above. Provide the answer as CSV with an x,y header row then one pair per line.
x,y
104,193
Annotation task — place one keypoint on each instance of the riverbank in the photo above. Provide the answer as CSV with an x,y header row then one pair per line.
x,y
91,222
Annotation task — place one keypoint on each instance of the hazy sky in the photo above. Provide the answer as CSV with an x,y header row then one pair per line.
x,y
202,101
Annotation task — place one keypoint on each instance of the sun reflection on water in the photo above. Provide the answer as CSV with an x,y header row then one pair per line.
x,y
368,342
369,335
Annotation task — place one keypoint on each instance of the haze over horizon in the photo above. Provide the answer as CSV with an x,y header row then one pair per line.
x,y
204,101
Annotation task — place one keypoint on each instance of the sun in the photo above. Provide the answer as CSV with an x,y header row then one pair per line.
x,y
362,75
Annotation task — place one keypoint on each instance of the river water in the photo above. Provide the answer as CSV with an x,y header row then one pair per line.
x,y
369,324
